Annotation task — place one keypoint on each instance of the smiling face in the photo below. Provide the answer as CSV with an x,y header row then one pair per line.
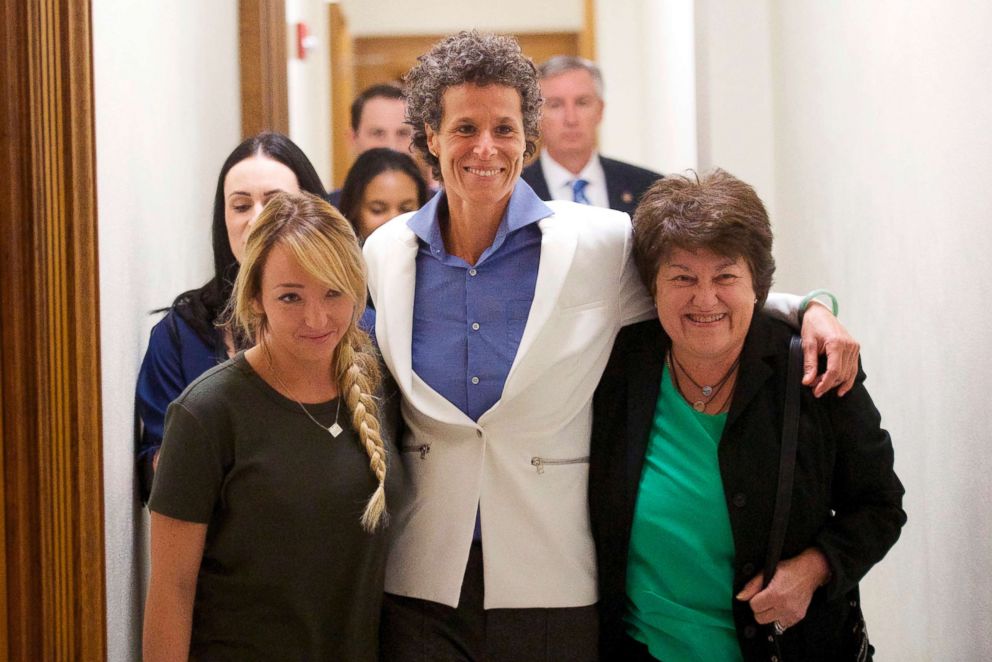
x,y
304,320
389,194
480,143
572,112
247,187
705,303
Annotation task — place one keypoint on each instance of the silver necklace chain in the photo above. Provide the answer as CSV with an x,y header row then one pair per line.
x,y
334,429
709,392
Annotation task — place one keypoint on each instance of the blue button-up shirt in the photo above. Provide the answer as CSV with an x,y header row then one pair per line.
x,y
468,318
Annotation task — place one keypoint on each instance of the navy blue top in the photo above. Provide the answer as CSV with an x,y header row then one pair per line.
x,y
176,355
468,318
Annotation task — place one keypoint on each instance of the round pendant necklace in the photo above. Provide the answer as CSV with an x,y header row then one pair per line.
x,y
709,392
333,429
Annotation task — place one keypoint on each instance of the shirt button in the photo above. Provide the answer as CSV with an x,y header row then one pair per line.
x,y
472,272
475,326
740,500
475,380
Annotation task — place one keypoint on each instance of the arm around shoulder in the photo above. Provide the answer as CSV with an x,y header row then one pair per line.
x,y
822,333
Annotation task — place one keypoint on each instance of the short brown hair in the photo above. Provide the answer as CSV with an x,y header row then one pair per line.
x,y
717,212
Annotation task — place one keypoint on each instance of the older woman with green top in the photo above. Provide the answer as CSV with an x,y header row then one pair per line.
x,y
686,452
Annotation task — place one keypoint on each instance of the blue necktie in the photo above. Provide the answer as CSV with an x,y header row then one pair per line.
x,y
579,191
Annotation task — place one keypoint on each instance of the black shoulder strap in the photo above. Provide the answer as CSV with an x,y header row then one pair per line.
x,y
787,463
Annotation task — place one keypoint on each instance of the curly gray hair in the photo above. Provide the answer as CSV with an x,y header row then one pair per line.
x,y
469,57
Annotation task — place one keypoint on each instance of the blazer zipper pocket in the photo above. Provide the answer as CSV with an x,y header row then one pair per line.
x,y
423,449
540,462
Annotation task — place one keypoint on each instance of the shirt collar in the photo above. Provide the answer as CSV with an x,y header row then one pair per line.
x,y
558,176
523,209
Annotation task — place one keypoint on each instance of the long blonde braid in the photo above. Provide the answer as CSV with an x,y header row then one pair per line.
x,y
358,377
324,244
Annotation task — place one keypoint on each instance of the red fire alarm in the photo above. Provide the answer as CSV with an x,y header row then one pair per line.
x,y
305,42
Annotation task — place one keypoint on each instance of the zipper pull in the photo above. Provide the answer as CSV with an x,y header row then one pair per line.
x,y
424,450
538,463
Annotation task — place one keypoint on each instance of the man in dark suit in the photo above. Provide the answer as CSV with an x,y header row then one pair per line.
x,y
378,119
569,167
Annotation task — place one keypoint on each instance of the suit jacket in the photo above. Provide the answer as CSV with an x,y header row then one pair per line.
x,y
846,497
625,183
525,461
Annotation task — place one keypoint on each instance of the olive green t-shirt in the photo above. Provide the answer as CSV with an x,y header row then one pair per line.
x,y
287,573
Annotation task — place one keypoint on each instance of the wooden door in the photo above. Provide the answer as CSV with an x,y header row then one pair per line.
x,y
51,454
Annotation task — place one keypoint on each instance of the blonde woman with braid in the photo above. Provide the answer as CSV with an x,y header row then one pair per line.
x,y
269,503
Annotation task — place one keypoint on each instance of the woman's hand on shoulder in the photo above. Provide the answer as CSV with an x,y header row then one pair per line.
x,y
823,333
787,597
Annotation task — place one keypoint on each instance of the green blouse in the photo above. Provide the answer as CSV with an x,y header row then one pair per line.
x,y
680,566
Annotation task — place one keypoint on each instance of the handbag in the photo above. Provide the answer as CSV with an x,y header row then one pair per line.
x,y
858,646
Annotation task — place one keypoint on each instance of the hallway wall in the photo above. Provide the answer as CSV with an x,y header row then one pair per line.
x,y
167,114
863,125
646,51
879,115
308,85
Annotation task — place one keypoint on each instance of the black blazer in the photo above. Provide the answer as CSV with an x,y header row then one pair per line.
x,y
625,183
846,499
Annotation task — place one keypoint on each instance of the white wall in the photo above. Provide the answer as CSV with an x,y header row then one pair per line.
x,y
167,114
863,125
735,92
881,157
884,155
646,50
391,17
308,83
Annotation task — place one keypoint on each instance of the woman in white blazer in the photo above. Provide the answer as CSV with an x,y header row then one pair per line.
x,y
496,315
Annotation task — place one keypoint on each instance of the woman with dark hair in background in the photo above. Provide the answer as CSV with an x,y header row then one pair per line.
x,y
187,341
381,185
269,502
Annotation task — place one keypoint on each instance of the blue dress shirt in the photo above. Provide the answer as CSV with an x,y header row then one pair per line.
x,y
468,318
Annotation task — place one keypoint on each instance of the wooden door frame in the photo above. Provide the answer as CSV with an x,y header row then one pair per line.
x,y
52,568
264,79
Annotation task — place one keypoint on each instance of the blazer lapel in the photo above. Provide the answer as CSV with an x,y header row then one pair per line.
x,y
534,176
754,370
394,306
644,369
394,329
558,242
620,196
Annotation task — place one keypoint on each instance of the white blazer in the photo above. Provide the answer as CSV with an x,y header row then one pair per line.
x,y
525,463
